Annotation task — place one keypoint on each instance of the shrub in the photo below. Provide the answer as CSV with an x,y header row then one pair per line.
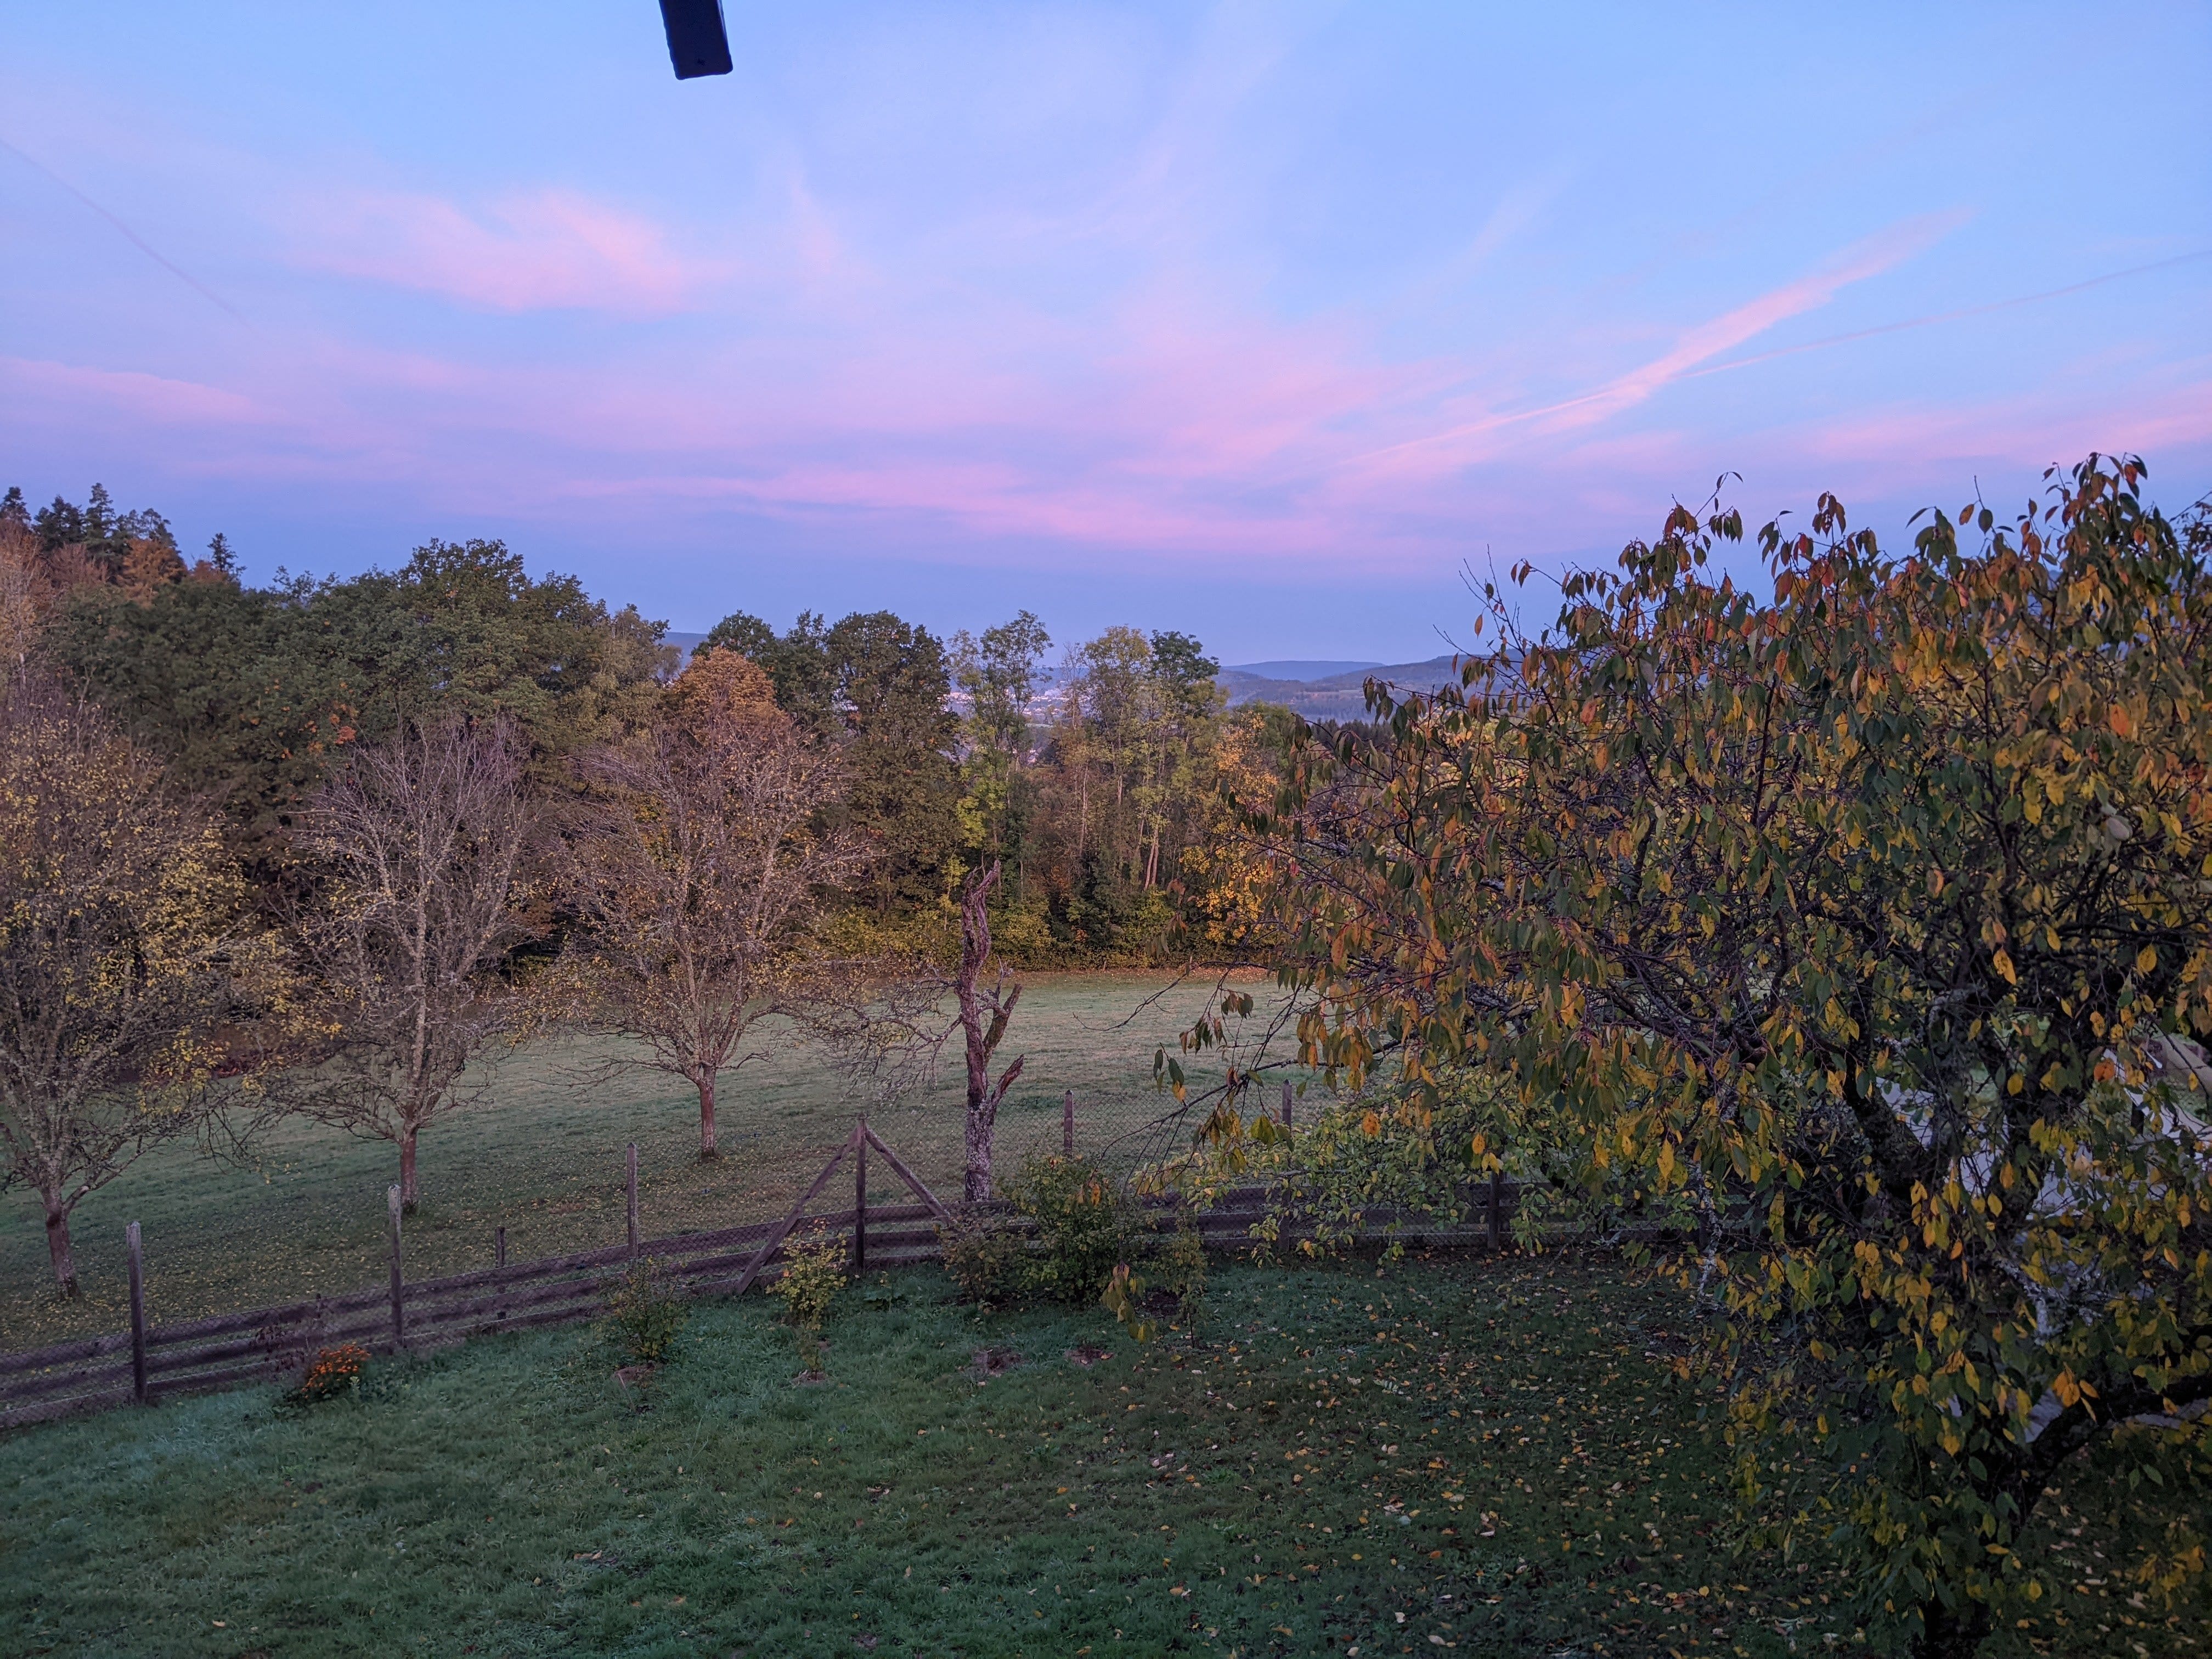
x,y
985,1258
1086,1223
644,1314
813,1274
1178,1266
333,1371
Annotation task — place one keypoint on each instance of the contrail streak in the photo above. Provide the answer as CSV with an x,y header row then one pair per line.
x,y
1945,316
137,241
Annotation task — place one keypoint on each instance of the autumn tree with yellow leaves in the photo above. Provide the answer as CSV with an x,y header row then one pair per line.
x,y
126,959
1867,932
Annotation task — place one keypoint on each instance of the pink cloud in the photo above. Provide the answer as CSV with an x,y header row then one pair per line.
x,y
129,392
2060,428
543,249
1870,257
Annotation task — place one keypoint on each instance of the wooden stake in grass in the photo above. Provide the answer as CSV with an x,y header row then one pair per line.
x,y
860,1200
138,1315
633,1200
399,1316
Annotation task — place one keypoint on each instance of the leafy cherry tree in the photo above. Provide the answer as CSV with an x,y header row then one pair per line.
x,y
1867,934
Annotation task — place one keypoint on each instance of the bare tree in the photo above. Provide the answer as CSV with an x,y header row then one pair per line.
x,y
125,959
887,1019
695,870
984,1012
420,843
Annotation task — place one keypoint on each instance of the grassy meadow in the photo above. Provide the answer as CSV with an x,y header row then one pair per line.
x,y
1496,1458
544,1156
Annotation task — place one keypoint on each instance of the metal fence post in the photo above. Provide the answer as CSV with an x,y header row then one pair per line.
x,y
1286,1103
633,1200
1067,1123
138,1315
398,1313
1496,1221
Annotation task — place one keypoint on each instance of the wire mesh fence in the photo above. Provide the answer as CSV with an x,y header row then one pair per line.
x,y
543,1158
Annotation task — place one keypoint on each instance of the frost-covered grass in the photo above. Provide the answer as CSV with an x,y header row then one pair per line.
x,y
544,1156
1490,1456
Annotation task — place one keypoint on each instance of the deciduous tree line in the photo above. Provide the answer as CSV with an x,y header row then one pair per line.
x,y
367,827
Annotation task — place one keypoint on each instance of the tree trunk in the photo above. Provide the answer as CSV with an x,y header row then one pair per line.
x,y
707,1148
983,1119
1951,1632
58,1246
408,1191
981,1035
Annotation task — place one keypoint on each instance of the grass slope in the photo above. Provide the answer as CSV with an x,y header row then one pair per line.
x,y
1491,1457
544,1158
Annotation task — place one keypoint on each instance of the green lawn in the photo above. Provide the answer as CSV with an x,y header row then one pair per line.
x,y
1490,1456
544,1158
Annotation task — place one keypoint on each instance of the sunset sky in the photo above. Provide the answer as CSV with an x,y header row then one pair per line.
x,y
1263,322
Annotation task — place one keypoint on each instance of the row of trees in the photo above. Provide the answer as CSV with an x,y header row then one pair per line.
x,y
1860,939
404,815
1088,779
1863,936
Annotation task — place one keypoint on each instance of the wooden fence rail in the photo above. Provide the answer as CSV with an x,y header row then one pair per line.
x,y
151,1362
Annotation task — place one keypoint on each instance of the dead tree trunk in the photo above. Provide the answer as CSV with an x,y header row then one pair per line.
x,y
984,1012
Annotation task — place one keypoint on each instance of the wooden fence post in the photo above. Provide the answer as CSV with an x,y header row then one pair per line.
x,y
1496,1221
633,1200
1067,1123
1286,1103
860,1201
398,1313
499,1247
138,1315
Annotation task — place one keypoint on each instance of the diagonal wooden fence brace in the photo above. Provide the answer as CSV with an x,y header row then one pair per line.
x,y
767,1245
898,1167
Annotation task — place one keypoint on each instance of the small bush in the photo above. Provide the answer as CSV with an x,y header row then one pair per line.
x,y
644,1314
332,1372
1178,1266
986,1258
813,1274
1086,1223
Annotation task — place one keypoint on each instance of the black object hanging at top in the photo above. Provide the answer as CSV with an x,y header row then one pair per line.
x,y
697,44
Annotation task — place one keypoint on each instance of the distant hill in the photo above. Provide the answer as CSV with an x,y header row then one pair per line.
x,y
1319,689
1338,696
1298,670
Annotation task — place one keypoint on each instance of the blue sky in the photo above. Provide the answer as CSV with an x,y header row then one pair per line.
x,y
1262,321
